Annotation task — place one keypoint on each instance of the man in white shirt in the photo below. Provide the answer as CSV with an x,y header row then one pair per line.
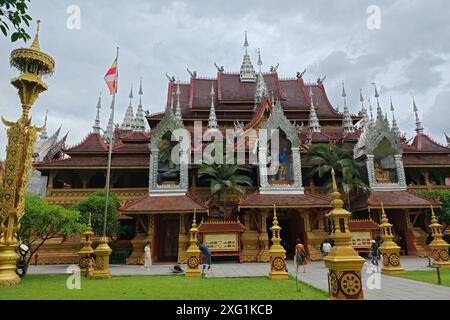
x,y
326,247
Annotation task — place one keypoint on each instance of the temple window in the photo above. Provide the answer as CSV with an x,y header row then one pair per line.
x,y
168,171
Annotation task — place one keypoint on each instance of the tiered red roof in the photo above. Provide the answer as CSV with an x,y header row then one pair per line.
x,y
165,203
258,200
400,199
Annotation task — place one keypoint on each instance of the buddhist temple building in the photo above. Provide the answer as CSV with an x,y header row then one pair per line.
x,y
159,197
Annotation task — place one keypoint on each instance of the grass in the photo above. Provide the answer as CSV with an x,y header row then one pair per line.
x,y
429,276
53,287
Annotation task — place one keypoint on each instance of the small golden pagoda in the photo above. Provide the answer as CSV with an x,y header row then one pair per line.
x,y
86,250
389,249
102,253
32,64
343,261
438,247
193,252
277,252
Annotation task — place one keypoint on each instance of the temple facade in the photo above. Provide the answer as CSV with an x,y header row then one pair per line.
x,y
159,196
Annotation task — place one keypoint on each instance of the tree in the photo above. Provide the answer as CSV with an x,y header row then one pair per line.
x,y
444,197
340,158
43,221
94,205
223,177
13,14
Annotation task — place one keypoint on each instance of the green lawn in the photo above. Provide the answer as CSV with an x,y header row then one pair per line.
x,y
160,288
429,276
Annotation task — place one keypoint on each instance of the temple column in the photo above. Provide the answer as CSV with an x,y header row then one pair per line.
x,y
371,170
400,170
262,155
315,236
297,166
51,178
183,240
255,244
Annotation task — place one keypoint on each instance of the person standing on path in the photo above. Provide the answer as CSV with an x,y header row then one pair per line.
x,y
148,256
206,255
300,255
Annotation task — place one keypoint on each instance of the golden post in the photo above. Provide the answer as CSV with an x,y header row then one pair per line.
x,y
86,251
277,252
438,247
32,64
193,251
343,261
389,249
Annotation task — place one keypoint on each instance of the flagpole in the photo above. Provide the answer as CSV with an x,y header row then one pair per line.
x,y
110,138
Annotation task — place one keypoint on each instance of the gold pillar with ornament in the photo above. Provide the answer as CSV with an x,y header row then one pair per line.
x,y
389,249
32,64
85,253
343,261
277,252
438,247
193,252
102,253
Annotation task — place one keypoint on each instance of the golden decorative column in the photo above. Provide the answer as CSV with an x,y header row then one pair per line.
x,y
102,253
193,252
32,64
86,250
277,252
343,261
389,249
438,247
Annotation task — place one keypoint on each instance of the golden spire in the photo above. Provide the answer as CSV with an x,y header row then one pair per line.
x,y
434,219
384,219
194,222
35,44
337,202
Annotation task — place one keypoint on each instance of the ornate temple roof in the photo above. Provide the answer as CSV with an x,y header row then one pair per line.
x,y
307,200
93,143
399,199
423,143
165,203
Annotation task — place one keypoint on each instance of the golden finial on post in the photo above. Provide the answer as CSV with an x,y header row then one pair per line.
x,y
389,249
193,251
35,44
438,247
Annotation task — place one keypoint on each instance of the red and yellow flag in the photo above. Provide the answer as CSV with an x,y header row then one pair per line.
x,y
111,78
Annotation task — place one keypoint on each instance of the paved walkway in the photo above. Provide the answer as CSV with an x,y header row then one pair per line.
x,y
391,288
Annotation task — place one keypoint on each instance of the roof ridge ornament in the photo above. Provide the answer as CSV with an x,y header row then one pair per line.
x,y
43,134
247,72
212,121
178,116
347,121
419,128
139,122
96,126
394,121
379,111
314,125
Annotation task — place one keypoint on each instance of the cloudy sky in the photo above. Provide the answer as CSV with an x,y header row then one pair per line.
x,y
408,55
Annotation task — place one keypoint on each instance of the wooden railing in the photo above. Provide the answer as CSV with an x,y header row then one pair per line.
x,y
67,197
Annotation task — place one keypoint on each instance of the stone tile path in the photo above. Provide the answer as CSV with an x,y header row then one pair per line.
x,y
391,288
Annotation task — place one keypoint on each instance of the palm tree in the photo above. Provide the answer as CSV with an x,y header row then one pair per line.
x,y
223,177
340,158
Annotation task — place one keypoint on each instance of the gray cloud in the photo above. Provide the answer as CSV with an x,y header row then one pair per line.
x,y
409,55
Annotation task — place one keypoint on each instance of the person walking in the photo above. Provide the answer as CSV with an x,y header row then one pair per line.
x,y
326,247
375,252
148,256
300,255
206,255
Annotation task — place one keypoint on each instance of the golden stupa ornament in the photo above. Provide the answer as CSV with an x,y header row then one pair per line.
x,y
438,247
277,252
389,249
343,261
32,64
193,252
86,252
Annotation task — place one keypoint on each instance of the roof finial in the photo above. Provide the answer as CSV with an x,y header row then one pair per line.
x,y
178,117
35,44
260,63
314,125
128,120
394,122
261,88
139,122
379,111
419,128
43,134
96,126
347,121
212,121
247,73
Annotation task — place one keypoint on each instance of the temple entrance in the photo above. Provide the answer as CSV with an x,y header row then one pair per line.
x,y
166,237
291,230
